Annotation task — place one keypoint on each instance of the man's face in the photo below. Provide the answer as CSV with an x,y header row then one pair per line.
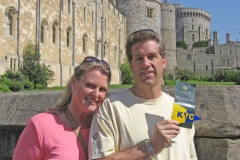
x,y
147,65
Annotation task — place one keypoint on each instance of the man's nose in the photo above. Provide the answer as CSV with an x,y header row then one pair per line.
x,y
146,62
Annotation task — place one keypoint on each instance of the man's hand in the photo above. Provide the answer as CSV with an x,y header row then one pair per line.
x,y
164,131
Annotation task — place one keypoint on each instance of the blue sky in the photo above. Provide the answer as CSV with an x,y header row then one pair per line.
x,y
225,16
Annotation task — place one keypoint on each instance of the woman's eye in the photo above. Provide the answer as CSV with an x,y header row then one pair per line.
x,y
89,86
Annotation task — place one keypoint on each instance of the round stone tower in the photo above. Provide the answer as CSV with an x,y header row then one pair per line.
x,y
192,25
169,35
141,14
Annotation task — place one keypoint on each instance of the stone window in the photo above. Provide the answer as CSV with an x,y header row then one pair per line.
x,y
62,4
44,25
84,44
227,62
55,28
105,24
187,14
105,49
69,37
178,37
189,57
192,27
149,13
190,14
13,65
223,61
184,14
69,6
193,37
11,21
92,18
230,51
84,14
206,67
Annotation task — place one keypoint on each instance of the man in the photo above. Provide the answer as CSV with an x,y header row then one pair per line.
x,y
136,123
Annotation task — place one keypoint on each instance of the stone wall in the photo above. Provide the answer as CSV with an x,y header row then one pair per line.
x,y
62,57
217,134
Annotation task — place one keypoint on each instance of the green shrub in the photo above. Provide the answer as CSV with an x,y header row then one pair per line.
x,y
4,88
28,85
126,76
15,86
39,86
200,44
181,44
170,82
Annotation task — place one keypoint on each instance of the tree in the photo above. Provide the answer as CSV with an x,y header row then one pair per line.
x,y
37,73
126,76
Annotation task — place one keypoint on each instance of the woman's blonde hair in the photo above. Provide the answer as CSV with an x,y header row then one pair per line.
x,y
79,71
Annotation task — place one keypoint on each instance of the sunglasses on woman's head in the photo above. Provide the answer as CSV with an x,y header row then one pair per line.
x,y
91,59
141,30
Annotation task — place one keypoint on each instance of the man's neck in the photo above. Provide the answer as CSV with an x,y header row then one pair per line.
x,y
149,92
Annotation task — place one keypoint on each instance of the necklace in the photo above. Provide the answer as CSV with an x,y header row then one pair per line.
x,y
76,130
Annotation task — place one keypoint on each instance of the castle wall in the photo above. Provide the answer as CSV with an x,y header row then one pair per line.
x,y
85,30
192,21
206,61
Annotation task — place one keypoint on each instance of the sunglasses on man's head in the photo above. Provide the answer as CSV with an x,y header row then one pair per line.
x,y
91,59
141,30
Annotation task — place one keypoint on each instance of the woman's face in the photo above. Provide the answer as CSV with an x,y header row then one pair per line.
x,y
89,91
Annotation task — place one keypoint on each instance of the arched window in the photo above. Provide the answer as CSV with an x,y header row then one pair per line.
x,y
193,37
84,42
69,6
55,27
84,14
11,21
178,37
44,25
69,37
92,19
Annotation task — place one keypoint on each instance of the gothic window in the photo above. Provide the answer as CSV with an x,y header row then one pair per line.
x,y
178,37
193,14
55,27
206,67
43,38
190,14
84,14
62,4
84,42
13,64
69,37
187,14
69,6
193,37
92,19
11,21
149,13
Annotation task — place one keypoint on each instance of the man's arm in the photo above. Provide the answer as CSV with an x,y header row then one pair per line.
x,y
164,131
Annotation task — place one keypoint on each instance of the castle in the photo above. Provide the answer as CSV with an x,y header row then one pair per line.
x,y
69,30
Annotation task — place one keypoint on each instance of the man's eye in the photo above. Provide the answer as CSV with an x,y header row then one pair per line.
x,y
102,90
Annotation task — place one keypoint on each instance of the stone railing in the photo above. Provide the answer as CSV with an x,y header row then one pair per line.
x,y
217,134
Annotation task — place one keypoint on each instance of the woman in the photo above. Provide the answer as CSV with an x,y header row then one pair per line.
x,y
62,132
